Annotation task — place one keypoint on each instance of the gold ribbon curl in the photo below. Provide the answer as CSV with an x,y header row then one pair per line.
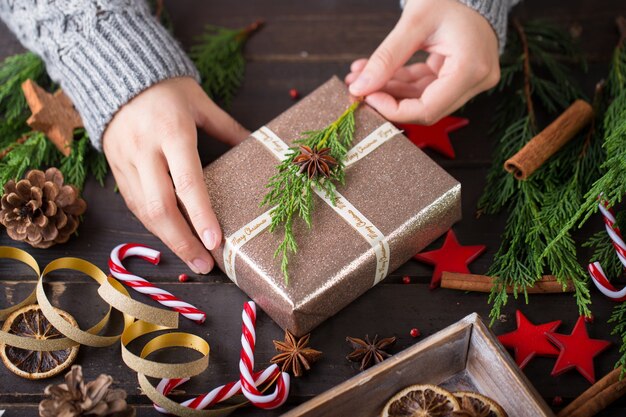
x,y
139,319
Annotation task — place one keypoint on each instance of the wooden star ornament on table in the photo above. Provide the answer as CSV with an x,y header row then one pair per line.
x,y
530,340
451,257
577,350
52,114
435,136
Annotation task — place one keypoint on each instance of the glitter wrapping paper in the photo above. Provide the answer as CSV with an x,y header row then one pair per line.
x,y
397,187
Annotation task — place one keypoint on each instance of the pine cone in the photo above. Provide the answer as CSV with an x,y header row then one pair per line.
x,y
74,398
40,210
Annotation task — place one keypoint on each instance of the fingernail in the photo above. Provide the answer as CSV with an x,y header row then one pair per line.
x,y
199,266
210,239
361,83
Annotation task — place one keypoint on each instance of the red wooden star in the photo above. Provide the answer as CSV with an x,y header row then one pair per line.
x,y
529,339
435,136
577,351
451,257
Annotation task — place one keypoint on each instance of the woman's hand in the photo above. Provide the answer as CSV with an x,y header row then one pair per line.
x,y
155,134
462,62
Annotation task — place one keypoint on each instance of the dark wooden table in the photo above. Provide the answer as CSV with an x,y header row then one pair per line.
x,y
303,44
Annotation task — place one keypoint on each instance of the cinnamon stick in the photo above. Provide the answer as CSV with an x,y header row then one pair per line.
x,y
599,396
483,283
550,140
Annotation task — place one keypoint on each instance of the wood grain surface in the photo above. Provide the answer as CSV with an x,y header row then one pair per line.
x,y
302,45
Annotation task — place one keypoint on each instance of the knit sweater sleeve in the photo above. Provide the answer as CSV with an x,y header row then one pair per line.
x,y
495,11
101,52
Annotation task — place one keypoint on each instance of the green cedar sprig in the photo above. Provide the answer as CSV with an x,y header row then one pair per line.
x,y
83,160
34,152
14,70
218,55
533,76
618,319
22,149
612,184
291,194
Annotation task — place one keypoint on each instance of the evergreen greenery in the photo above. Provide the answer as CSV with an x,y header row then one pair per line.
x,y
35,152
535,80
218,55
291,194
83,160
13,109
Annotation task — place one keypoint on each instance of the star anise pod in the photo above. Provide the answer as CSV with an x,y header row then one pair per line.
x,y
295,354
315,162
369,352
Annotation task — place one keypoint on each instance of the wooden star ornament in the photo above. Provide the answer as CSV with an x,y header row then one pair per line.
x,y
530,340
435,136
451,257
52,114
577,350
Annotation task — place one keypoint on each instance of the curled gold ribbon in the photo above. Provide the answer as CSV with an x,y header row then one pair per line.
x,y
27,342
24,257
116,295
89,337
139,364
149,320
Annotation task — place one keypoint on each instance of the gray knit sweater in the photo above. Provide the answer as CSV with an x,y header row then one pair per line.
x,y
105,52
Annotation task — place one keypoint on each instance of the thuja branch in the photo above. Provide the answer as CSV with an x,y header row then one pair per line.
x,y
527,72
611,132
532,77
318,161
219,59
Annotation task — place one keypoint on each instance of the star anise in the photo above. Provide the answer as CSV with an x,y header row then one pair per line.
x,y
369,352
295,354
315,162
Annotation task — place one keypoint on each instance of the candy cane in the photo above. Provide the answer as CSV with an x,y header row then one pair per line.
x,y
246,366
613,232
226,391
142,285
217,395
595,269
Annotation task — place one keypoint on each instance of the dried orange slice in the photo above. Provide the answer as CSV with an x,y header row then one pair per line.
x,y
29,321
477,405
422,401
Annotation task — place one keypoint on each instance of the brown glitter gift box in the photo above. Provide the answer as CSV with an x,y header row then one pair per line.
x,y
395,190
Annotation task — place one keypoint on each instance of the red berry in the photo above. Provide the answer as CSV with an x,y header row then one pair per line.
x,y
589,319
406,279
294,94
415,332
183,278
558,400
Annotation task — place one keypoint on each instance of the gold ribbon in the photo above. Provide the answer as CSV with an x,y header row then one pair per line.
x,y
151,319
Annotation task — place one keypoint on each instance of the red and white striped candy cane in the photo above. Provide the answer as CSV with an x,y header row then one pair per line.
x,y
144,286
226,391
595,269
613,231
217,395
246,366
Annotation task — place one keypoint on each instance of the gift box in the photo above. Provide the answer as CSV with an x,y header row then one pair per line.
x,y
465,356
395,201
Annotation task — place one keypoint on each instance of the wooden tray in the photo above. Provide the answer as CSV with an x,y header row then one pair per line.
x,y
463,356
